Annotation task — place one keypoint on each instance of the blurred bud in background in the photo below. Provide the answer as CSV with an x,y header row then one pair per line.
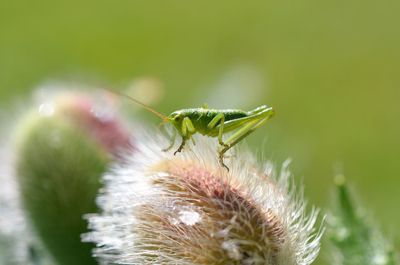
x,y
354,238
158,208
241,85
148,90
63,145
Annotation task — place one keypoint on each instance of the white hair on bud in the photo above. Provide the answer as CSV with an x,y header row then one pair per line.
x,y
15,236
158,208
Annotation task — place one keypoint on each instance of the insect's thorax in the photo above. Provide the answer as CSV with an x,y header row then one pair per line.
x,y
201,117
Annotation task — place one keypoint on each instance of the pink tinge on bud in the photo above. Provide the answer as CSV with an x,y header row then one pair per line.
x,y
99,121
158,208
211,216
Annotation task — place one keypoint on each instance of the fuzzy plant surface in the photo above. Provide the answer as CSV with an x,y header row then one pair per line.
x,y
158,208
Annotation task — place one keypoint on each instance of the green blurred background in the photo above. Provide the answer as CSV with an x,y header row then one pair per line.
x,y
330,68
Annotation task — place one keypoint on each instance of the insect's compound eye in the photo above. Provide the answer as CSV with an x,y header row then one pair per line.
x,y
178,118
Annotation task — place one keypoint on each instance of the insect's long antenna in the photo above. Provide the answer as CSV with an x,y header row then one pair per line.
x,y
162,123
148,108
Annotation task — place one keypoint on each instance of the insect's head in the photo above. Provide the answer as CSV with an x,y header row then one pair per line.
x,y
176,117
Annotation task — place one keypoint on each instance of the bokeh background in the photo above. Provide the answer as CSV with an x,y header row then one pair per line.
x,y
330,68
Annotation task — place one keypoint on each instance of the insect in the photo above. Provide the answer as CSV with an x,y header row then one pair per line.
x,y
213,123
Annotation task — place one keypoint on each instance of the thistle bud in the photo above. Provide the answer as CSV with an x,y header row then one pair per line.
x,y
356,240
158,208
63,147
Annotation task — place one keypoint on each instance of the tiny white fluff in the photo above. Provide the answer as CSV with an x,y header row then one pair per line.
x,y
157,208
189,217
15,234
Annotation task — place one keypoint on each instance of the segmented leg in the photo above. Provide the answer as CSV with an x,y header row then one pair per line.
x,y
171,143
181,146
186,131
238,136
213,123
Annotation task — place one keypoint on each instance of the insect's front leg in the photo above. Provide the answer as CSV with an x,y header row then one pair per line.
x,y
180,146
186,132
171,143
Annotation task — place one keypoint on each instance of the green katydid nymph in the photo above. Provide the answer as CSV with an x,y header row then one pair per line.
x,y
213,123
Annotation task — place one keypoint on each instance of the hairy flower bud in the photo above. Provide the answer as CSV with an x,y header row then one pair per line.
x,y
63,147
158,208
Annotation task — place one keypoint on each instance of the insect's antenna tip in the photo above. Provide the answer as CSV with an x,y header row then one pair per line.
x,y
148,108
163,123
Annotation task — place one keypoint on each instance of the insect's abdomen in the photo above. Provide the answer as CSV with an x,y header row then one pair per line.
x,y
234,114
202,117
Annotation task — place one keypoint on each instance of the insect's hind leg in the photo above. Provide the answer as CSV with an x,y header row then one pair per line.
x,y
213,123
238,136
259,110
